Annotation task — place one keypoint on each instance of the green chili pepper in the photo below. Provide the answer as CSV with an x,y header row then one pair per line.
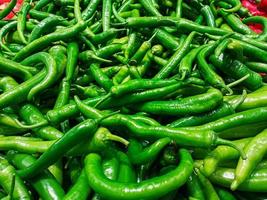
x,y
189,105
207,72
90,9
51,70
58,149
63,96
194,188
254,150
21,25
208,14
24,144
106,13
150,8
146,120
222,154
223,110
111,163
254,183
140,53
40,15
253,100
235,6
46,40
57,171
132,45
7,83
176,58
15,69
258,20
106,36
100,140
154,187
208,189
90,91
101,78
257,66
4,30
80,189
186,64
7,174
40,4
72,53
8,9
224,194
91,56
139,85
45,184
166,39
126,172
235,23
237,69
32,115
187,25
46,25
249,116
139,156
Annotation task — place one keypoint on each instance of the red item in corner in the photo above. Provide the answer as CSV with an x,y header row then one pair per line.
x,y
4,3
263,5
256,9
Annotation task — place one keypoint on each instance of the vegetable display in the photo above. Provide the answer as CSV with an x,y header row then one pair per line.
x,y
133,99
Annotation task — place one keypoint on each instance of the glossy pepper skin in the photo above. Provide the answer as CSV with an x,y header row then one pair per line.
x,y
150,188
58,149
139,156
222,154
45,184
187,106
32,115
237,119
253,100
223,110
46,40
237,70
8,173
97,98
81,184
255,183
70,109
180,136
255,150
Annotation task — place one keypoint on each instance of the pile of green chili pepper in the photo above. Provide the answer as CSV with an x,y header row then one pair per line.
x,y
131,100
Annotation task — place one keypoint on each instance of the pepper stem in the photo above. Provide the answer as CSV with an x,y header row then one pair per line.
x,y
238,81
222,46
116,14
152,37
37,125
240,100
228,89
183,75
103,100
220,141
234,185
107,116
86,110
97,58
116,138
